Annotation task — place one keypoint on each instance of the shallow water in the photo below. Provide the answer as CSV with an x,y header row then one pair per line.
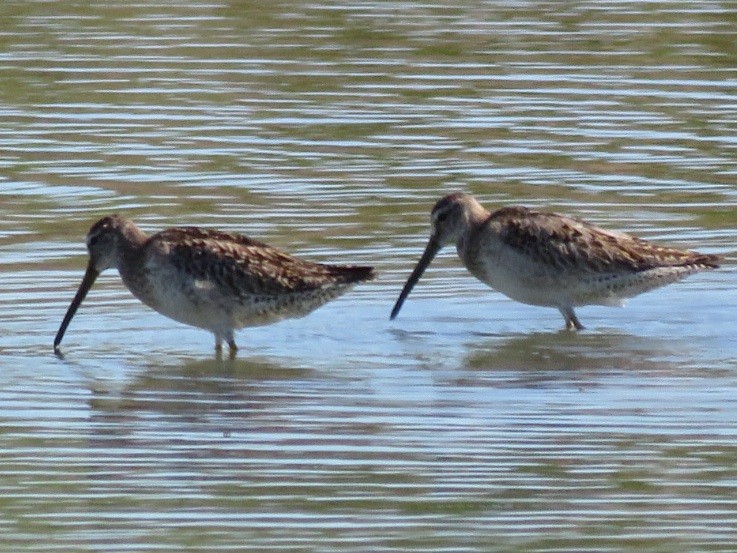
x,y
470,423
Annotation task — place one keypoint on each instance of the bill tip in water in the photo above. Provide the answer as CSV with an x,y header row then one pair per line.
x,y
57,340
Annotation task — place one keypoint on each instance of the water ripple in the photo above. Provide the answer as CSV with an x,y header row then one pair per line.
x,y
330,130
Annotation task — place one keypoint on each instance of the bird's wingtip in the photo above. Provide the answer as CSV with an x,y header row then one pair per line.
x,y
360,273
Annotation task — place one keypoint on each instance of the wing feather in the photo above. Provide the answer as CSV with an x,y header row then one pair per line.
x,y
569,243
243,266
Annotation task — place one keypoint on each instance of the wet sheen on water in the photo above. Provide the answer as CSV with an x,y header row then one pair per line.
x,y
329,130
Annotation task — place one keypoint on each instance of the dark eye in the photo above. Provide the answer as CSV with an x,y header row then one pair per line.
x,y
442,216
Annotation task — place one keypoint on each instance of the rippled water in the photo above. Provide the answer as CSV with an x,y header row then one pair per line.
x,y
470,423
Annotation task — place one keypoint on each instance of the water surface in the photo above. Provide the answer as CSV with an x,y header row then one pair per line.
x,y
470,423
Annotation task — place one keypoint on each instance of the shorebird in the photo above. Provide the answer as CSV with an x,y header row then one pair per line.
x,y
214,280
549,259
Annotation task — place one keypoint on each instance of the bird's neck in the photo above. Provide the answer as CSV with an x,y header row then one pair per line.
x,y
476,219
131,242
477,215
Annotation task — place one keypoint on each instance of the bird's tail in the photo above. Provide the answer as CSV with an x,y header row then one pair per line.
x,y
705,260
352,273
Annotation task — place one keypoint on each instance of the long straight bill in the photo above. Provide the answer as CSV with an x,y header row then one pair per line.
x,y
433,247
89,279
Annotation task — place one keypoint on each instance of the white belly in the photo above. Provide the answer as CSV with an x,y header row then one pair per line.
x,y
527,281
210,305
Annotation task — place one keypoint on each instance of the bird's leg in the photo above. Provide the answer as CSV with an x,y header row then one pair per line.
x,y
231,344
230,339
572,322
218,346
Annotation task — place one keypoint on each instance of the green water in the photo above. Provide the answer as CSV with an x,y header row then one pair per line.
x,y
470,423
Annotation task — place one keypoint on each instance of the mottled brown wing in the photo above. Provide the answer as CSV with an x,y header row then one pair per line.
x,y
570,243
244,266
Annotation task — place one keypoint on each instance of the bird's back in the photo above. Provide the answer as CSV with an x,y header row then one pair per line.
x,y
558,259
206,278
569,244
245,266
